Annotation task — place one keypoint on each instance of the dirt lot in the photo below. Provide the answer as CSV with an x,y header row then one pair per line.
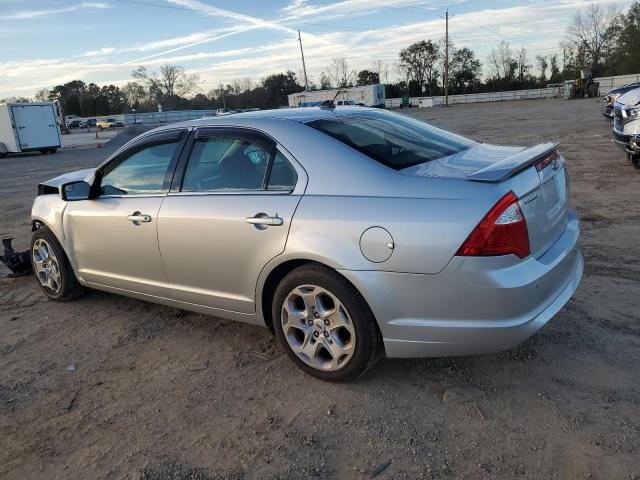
x,y
565,404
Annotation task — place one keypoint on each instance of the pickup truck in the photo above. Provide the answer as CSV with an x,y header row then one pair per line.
x,y
626,125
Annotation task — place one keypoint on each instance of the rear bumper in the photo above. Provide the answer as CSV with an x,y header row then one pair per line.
x,y
476,305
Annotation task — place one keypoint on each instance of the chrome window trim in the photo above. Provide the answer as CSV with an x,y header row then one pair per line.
x,y
136,195
231,192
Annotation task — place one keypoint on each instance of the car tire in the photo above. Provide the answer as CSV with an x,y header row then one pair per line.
x,y
351,328
52,268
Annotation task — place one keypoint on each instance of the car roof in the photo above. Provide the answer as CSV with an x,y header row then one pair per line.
x,y
300,115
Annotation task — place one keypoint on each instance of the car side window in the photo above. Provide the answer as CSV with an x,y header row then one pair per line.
x,y
143,172
282,176
227,162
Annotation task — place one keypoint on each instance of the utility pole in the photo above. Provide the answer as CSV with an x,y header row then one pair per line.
x,y
446,60
304,67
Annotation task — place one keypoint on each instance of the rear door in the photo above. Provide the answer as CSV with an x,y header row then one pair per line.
x,y
36,126
227,216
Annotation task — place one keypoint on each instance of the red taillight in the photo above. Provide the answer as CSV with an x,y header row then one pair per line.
x,y
502,231
546,161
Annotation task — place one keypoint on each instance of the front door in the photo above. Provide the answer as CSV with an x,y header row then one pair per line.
x,y
230,217
113,239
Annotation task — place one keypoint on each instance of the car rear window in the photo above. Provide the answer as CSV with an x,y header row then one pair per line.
x,y
393,140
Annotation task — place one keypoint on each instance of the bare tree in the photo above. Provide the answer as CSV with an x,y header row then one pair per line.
x,y
502,62
171,81
135,93
523,64
555,69
382,70
403,71
543,65
42,95
246,84
325,81
339,71
593,32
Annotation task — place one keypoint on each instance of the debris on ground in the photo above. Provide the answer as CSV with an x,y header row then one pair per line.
x,y
462,394
71,367
70,402
379,469
18,262
262,357
199,366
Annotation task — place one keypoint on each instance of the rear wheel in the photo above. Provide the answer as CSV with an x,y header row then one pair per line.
x,y
324,324
52,268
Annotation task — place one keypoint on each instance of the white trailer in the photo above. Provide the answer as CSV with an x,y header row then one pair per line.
x,y
28,127
368,95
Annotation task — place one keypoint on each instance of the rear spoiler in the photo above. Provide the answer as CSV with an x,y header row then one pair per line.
x,y
510,166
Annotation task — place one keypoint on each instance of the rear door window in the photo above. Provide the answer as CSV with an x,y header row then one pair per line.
x,y
393,140
242,161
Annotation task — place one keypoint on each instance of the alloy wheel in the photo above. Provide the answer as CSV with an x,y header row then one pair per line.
x,y
46,266
318,327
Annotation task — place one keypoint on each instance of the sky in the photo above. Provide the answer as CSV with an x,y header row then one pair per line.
x,y
47,43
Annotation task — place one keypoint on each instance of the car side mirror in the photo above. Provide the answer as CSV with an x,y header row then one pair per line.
x,y
74,191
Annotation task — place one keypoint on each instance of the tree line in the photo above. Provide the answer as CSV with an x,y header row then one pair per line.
x,y
598,38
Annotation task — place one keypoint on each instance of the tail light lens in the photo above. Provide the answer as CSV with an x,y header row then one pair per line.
x,y
502,231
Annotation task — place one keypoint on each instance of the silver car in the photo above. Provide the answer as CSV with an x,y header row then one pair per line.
x,y
349,232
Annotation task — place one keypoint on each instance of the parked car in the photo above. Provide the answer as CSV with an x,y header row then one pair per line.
x,y
74,124
350,233
104,123
224,111
612,96
91,123
626,125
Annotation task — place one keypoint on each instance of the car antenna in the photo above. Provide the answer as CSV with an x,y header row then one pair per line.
x,y
331,103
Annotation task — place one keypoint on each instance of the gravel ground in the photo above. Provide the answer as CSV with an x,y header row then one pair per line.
x,y
565,404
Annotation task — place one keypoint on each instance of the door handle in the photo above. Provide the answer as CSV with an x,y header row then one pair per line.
x,y
265,221
137,218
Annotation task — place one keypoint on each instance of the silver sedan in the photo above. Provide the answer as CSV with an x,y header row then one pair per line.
x,y
349,232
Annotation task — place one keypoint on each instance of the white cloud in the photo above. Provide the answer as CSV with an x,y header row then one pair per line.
x,y
36,14
538,27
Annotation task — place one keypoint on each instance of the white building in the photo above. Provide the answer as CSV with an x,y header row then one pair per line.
x,y
369,95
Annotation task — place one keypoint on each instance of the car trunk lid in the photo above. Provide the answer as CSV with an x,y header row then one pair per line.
x,y
544,199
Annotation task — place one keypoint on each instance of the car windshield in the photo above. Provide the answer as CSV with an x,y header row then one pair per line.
x,y
393,140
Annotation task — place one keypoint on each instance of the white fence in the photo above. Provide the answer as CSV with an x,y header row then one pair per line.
x,y
607,83
166,117
550,92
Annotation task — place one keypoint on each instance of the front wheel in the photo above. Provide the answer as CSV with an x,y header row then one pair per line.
x,y
324,324
52,268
